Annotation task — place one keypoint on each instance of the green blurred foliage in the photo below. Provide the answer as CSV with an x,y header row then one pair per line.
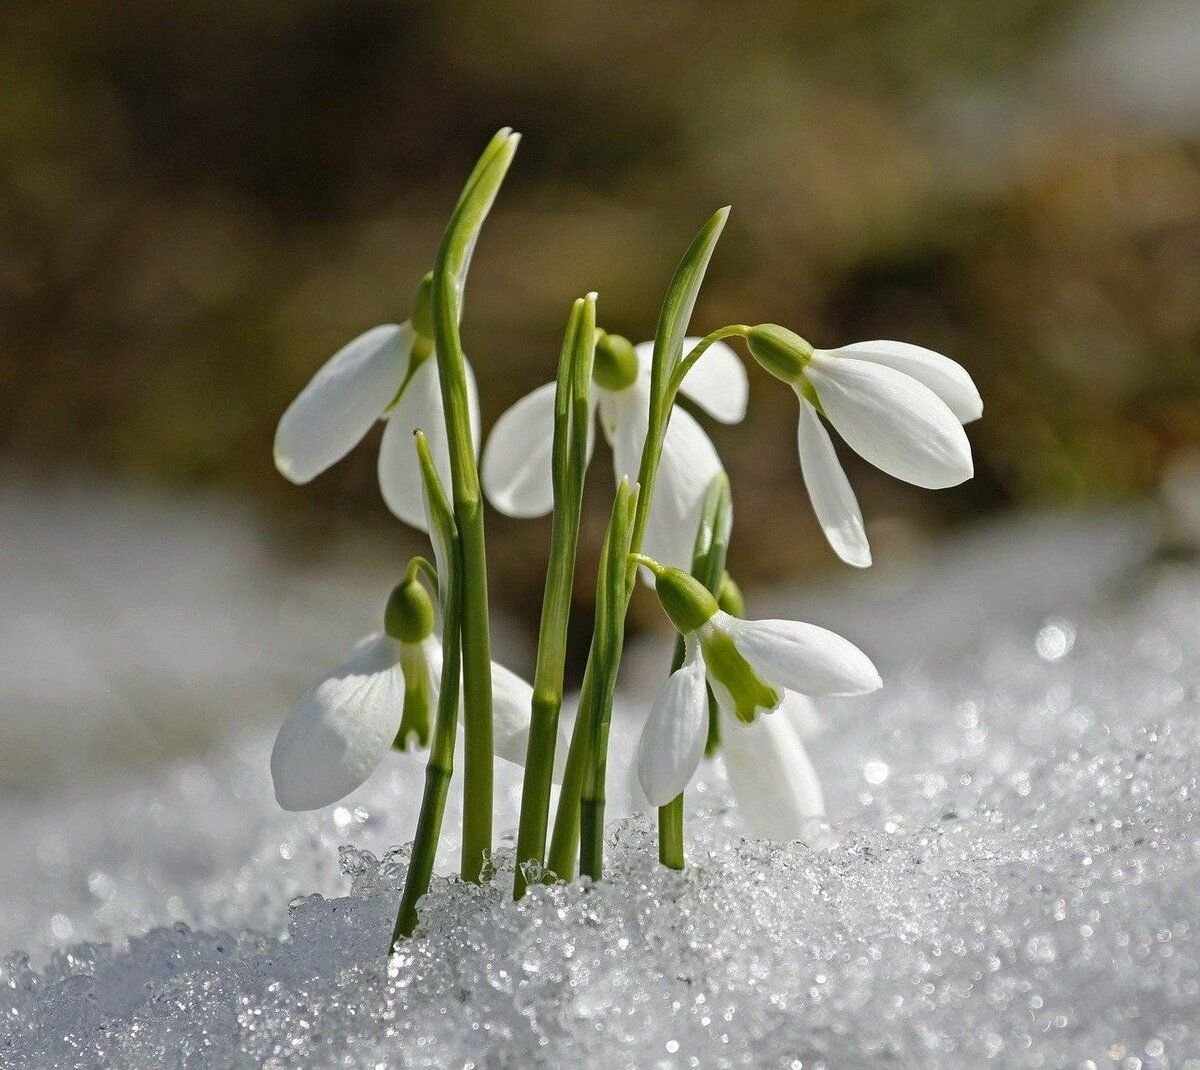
x,y
199,202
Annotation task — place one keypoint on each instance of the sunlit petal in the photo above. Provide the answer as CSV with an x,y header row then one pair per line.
x,y
802,657
717,382
340,729
893,421
832,498
672,742
419,407
771,777
946,378
517,472
341,402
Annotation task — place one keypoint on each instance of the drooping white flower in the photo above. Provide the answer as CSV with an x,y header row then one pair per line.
x,y
769,772
346,722
899,406
750,668
388,373
517,459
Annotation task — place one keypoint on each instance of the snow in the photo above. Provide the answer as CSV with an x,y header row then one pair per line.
x,y
1010,875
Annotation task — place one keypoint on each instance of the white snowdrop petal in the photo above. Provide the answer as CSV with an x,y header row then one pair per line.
x,y
336,409
948,379
688,464
512,700
419,407
802,712
801,657
432,646
770,775
340,729
517,473
717,382
645,357
891,420
624,417
832,498
672,741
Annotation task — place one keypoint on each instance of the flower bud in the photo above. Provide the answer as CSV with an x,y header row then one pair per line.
x,y
616,365
781,352
685,599
729,596
409,614
422,307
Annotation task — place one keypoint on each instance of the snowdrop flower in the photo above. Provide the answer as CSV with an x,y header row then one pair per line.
x,y
757,671
769,772
897,405
382,696
388,373
517,460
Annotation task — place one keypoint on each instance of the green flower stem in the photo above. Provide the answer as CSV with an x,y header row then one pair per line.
x,y
449,273
565,840
420,566
670,833
610,634
668,350
708,566
440,767
735,330
572,416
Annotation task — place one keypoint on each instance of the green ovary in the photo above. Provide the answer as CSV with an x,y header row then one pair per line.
x,y
726,665
414,720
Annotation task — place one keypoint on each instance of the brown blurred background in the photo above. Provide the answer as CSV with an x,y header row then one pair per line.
x,y
200,202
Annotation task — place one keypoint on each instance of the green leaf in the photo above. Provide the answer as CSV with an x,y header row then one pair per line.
x,y
677,307
474,204
443,532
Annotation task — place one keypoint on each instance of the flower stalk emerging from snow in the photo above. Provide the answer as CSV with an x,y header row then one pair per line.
x,y
736,685
750,667
568,467
595,704
449,274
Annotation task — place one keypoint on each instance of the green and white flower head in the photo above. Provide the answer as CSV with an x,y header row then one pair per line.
x,y
898,406
387,373
517,474
381,697
752,668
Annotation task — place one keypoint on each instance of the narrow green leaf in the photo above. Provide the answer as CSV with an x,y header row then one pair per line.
x,y
474,204
572,415
677,307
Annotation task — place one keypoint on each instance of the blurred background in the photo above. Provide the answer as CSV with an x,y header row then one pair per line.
x,y
200,202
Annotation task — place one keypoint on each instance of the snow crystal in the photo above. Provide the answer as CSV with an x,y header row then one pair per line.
x,y
1010,876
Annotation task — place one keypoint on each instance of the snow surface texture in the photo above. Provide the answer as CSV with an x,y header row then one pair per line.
x,y
1011,874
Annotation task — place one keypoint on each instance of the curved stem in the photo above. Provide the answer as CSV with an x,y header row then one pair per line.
x,y
734,330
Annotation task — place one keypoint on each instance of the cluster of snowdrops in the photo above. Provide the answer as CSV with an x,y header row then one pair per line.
x,y
739,687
